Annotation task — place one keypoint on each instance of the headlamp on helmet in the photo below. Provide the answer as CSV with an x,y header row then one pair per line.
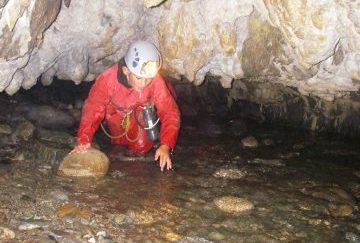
x,y
149,69
143,59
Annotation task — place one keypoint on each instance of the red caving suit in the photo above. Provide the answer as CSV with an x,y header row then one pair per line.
x,y
111,99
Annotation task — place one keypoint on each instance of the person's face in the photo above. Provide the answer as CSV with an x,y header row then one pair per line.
x,y
136,83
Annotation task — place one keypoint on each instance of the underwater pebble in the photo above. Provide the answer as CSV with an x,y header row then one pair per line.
x,y
92,240
33,225
6,234
250,142
229,173
268,142
340,211
59,195
270,162
5,129
117,174
172,237
216,236
194,240
352,237
232,204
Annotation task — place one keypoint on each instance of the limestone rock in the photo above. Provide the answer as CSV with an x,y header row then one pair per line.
x,y
307,44
231,204
92,163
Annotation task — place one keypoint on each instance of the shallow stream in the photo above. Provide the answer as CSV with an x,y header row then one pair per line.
x,y
294,186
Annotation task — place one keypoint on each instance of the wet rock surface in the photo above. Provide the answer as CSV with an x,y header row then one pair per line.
x,y
230,204
299,188
92,163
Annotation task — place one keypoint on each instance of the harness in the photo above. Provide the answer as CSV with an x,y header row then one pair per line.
x,y
125,124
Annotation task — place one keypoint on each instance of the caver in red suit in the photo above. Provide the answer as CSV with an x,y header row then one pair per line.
x,y
111,97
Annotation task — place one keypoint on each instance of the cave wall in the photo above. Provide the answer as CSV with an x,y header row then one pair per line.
x,y
311,46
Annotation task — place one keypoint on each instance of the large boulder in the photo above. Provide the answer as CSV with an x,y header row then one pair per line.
x,y
92,163
46,116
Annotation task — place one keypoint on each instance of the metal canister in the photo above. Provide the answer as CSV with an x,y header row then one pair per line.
x,y
150,122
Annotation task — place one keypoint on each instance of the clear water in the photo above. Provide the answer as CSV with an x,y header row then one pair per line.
x,y
142,204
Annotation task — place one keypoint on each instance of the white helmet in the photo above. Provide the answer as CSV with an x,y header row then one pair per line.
x,y
143,59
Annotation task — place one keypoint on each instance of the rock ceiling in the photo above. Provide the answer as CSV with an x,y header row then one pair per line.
x,y
311,45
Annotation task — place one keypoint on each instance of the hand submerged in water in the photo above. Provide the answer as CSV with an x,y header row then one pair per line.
x,y
81,148
163,154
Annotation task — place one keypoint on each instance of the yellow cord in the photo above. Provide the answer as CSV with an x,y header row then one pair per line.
x,y
125,124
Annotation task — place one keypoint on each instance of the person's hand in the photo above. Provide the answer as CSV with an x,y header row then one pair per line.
x,y
163,154
81,148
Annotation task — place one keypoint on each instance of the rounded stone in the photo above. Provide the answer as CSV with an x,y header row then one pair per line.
x,y
250,142
268,142
92,163
340,211
216,236
5,129
229,173
6,234
231,204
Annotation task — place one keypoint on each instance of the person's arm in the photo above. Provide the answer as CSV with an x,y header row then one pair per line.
x,y
169,115
92,114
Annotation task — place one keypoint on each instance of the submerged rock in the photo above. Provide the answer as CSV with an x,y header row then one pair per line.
x,y
194,240
6,234
250,142
269,162
231,204
33,224
92,163
216,236
340,211
73,210
5,129
229,173
331,194
352,237
268,142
